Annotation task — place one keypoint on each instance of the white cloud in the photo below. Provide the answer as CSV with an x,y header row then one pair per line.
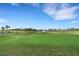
x,y
61,11
66,13
64,5
15,4
2,21
50,9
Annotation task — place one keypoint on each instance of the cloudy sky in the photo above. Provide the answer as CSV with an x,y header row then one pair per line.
x,y
35,15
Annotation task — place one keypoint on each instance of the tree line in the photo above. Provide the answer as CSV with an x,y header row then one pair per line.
x,y
8,29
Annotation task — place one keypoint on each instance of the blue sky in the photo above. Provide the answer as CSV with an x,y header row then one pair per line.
x,y
40,16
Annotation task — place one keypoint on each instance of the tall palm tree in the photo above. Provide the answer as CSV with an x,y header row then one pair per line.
x,y
7,28
3,30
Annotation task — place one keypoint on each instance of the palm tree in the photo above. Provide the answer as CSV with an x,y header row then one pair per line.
x,y
3,30
7,28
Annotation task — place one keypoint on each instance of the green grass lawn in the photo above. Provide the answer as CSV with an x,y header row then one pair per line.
x,y
39,44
